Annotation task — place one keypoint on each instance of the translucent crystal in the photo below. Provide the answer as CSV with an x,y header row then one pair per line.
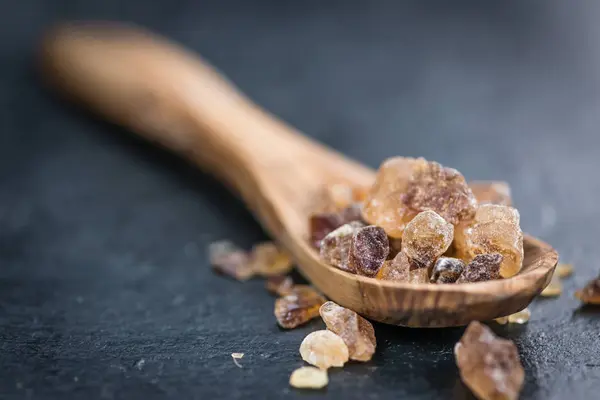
x,y
554,288
324,349
441,189
447,270
590,294
502,320
369,249
357,332
521,317
484,267
491,192
336,246
489,365
406,186
298,307
427,237
417,274
228,259
495,229
384,206
309,378
280,285
563,270
269,260
396,269
337,196
321,224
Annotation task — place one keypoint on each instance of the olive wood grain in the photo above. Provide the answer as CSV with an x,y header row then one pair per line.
x,y
172,97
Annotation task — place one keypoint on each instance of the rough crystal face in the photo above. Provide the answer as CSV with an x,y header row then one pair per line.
x,y
447,270
324,349
427,237
484,267
268,260
322,224
369,249
280,285
406,186
298,307
441,189
357,332
491,192
590,294
495,229
309,378
554,288
228,259
336,246
396,269
489,365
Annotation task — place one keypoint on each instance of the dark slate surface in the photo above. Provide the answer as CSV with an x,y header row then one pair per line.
x,y
104,287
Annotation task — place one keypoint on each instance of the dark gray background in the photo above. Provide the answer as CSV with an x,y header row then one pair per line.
x,y
102,237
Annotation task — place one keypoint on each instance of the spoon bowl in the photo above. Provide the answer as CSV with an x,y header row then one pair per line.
x,y
166,94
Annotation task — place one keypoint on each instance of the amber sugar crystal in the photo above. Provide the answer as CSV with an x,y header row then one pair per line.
x,y
427,237
279,284
228,259
357,332
489,365
554,288
495,229
396,269
269,260
590,294
298,307
406,186
491,192
324,349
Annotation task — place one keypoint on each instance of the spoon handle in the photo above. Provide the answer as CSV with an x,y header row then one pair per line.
x,y
170,96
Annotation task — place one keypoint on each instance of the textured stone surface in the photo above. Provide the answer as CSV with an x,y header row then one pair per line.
x,y
103,238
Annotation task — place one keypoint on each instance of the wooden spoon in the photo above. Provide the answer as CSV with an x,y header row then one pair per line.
x,y
172,97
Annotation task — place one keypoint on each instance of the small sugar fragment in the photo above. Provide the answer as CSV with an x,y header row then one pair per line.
x,y
279,284
489,365
484,267
268,260
228,259
447,270
298,307
521,317
324,349
357,332
236,357
309,378
563,270
554,288
590,294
